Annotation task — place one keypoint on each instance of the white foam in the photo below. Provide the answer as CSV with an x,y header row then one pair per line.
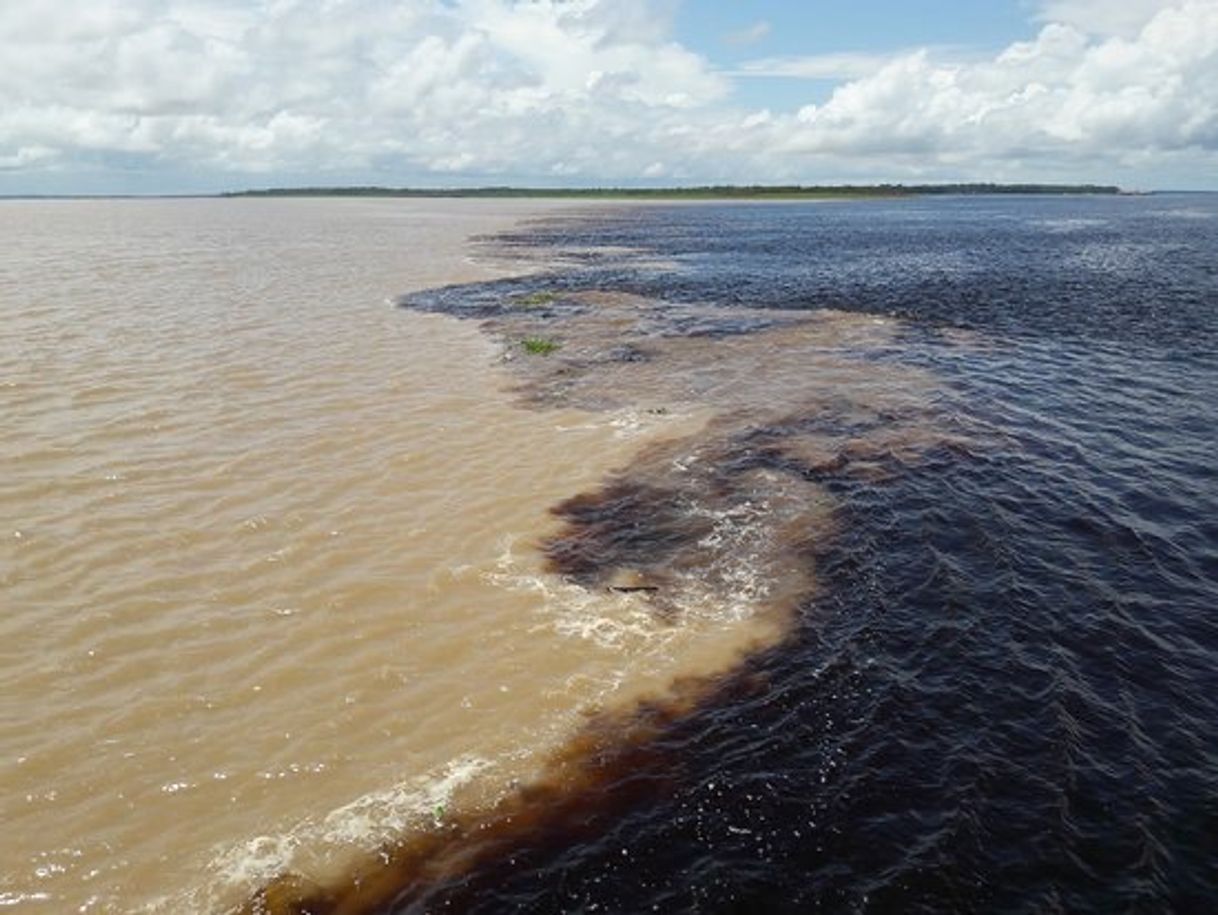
x,y
256,861
363,825
1185,213
1071,224
630,422
740,536
8,899
611,621
381,816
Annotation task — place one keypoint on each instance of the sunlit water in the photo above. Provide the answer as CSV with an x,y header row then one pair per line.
x,y
897,515
268,548
1002,694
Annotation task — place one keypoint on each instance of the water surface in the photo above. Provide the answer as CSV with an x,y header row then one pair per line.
x,y
268,558
1001,693
847,556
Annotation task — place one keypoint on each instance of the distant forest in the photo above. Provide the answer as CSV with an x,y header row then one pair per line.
x,y
708,192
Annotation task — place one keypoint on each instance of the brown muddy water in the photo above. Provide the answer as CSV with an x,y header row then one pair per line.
x,y
290,576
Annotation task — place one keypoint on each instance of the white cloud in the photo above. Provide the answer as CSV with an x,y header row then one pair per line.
x,y
1102,17
750,34
1064,96
286,85
582,91
839,66
25,156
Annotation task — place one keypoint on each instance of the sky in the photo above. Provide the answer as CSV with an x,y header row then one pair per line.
x,y
197,96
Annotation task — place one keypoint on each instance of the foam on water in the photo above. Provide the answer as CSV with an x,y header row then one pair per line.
x,y
864,567
250,510
1001,616
690,557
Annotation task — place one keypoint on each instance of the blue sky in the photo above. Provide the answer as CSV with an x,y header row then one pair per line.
x,y
820,26
721,30
165,96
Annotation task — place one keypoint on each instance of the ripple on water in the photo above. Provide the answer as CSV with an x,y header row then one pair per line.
x,y
905,607
1001,695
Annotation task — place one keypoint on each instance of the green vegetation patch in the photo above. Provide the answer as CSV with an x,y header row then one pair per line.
x,y
539,346
537,299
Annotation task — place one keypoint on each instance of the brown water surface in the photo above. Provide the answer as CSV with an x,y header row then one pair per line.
x,y
298,583
268,567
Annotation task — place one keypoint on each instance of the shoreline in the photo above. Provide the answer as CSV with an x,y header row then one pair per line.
x,y
714,193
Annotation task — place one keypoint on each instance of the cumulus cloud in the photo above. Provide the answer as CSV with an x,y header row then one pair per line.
x,y
581,91
750,34
1103,17
477,85
846,65
1064,95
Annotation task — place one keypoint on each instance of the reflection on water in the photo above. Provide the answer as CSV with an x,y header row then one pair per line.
x,y
268,568
704,539
1000,693
808,557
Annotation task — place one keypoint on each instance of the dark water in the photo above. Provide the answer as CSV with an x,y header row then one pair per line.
x,y
1004,695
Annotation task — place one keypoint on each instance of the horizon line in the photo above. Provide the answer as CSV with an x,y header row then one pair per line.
x,y
705,190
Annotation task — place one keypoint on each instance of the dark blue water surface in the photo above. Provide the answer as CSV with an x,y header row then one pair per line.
x,y
1005,695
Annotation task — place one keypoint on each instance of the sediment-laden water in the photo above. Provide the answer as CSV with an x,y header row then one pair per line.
x,y
271,595
998,688
851,556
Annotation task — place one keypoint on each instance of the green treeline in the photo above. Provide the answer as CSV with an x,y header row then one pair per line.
x,y
708,192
